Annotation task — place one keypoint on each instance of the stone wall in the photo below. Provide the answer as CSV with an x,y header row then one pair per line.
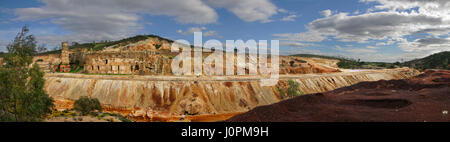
x,y
142,63
48,63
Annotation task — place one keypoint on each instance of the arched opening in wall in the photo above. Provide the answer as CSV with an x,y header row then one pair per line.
x,y
136,67
118,68
98,67
106,61
92,67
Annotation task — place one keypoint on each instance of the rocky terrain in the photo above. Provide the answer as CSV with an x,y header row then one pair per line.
x,y
172,98
134,77
425,98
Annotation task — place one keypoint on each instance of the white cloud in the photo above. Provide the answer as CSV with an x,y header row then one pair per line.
x,y
88,20
427,44
296,44
289,18
368,49
377,26
326,13
281,10
294,50
360,50
307,36
249,10
372,47
337,47
389,22
3,45
192,30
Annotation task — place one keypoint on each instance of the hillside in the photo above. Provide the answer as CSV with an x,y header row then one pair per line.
x,y
102,45
435,61
348,63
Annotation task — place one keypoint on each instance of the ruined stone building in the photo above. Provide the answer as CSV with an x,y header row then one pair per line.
x,y
145,62
150,56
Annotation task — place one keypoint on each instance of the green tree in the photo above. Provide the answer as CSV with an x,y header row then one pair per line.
x,y
86,105
292,90
445,63
22,97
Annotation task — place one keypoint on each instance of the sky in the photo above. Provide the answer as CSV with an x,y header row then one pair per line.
x,y
370,30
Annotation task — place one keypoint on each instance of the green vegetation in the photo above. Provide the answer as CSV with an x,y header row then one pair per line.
x,y
2,54
435,61
71,114
291,91
120,117
157,46
86,105
353,64
22,96
76,67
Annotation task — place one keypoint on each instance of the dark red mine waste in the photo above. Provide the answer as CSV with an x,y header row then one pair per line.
x,y
424,98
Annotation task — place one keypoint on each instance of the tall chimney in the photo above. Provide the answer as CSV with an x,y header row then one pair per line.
x,y
65,54
65,62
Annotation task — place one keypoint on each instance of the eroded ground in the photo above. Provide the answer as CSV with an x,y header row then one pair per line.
x,y
425,98
172,98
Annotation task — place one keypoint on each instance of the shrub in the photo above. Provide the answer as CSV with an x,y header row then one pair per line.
x,y
157,46
292,90
86,105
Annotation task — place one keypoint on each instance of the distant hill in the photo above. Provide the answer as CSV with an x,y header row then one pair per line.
x,y
101,45
348,63
435,61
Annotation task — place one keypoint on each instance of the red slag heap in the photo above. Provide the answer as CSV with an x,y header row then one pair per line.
x,y
424,98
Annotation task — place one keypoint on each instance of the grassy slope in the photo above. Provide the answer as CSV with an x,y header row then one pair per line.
x,y
435,61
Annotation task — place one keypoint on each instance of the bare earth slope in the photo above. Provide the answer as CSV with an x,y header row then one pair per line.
x,y
173,97
419,99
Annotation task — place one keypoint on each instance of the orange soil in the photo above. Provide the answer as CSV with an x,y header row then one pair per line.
x,y
68,104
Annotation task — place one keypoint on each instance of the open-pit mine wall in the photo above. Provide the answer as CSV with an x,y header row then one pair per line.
x,y
147,96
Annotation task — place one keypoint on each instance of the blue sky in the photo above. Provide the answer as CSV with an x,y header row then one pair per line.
x,y
370,30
